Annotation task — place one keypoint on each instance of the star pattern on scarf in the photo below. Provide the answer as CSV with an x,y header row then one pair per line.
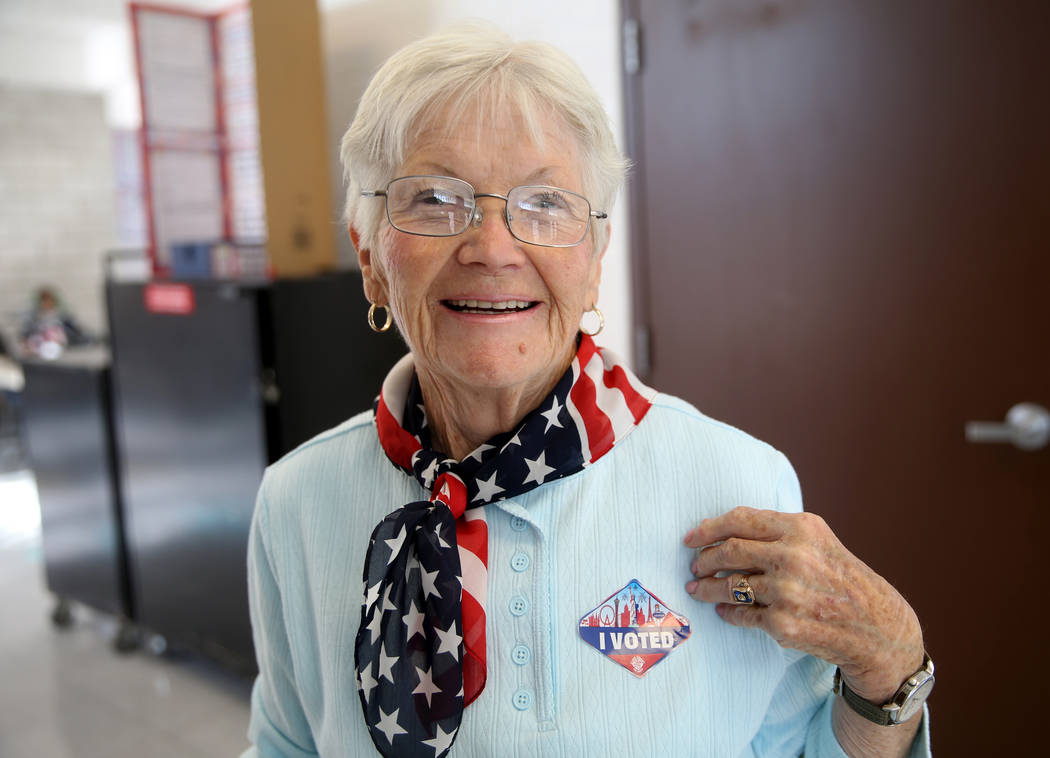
x,y
428,473
395,545
479,452
388,725
386,665
372,595
449,641
426,686
413,621
388,604
373,625
538,469
366,682
488,489
429,583
552,413
441,741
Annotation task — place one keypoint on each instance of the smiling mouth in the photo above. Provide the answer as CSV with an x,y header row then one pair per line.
x,y
487,307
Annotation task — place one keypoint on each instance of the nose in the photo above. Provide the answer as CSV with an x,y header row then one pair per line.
x,y
488,241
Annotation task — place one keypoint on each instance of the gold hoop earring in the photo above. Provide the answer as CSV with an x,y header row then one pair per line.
x,y
601,322
372,317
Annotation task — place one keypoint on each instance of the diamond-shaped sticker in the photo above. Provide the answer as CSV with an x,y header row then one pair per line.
x,y
634,628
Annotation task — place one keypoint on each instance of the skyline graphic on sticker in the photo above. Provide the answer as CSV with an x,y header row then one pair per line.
x,y
634,628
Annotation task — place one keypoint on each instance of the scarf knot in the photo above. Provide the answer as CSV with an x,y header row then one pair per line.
x,y
450,490
441,477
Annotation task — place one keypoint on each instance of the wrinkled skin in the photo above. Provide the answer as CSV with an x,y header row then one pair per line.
x,y
813,595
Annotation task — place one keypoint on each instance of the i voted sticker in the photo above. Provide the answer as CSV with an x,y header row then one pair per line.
x,y
634,628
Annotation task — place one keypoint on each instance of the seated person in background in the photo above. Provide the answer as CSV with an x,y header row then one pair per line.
x,y
50,328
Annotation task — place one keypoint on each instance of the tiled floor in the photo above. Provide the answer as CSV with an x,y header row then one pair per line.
x,y
68,694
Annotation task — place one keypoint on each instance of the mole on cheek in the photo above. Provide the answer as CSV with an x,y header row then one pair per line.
x,y
521,348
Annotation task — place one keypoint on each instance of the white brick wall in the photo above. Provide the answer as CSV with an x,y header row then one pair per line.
x,y
56,200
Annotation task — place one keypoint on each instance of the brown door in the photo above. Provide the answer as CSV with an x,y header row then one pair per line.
x,y
842,247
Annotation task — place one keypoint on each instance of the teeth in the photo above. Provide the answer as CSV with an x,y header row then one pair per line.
x,y
501,305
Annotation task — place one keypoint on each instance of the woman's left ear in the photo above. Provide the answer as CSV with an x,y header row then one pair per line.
x,y
596,275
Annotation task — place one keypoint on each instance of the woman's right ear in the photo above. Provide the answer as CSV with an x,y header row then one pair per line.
x,y
373,285
361,254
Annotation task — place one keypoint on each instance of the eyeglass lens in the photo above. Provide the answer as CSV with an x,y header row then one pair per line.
x,y
443,206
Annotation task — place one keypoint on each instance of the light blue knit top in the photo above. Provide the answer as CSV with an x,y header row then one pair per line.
x,y
554,554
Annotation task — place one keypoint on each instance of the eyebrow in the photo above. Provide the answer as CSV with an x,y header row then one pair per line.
x,y
542,174
438,169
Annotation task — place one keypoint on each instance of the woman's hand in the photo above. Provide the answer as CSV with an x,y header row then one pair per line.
x,y
811,594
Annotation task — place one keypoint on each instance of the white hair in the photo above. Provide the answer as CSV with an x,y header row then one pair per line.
x,y
475,69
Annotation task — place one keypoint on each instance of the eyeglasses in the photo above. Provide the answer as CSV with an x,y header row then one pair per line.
x,y
440,206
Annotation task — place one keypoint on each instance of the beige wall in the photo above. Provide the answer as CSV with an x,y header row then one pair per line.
x,y
356,40
56,200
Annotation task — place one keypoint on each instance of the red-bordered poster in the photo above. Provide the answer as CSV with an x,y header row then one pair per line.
x,y
200,139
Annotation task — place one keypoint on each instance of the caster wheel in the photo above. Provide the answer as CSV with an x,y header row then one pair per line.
x,y
157,644
62,615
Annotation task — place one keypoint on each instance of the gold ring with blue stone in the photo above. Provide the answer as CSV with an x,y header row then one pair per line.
x,y
742,592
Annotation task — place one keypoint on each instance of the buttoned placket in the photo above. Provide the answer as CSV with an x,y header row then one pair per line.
x,y
522,558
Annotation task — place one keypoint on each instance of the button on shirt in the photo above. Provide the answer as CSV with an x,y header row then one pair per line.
x,y
554,553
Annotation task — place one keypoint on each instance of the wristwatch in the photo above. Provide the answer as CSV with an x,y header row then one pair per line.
x,y
902,706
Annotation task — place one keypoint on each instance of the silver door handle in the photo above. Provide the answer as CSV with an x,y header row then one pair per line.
x,y
1027,427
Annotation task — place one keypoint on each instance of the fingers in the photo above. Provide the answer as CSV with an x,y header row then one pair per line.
x,y
750,540
744,522
811,594
736,554
783,624
720,589
743,615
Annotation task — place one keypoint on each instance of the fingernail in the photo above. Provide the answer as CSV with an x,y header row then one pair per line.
x,y
689,536
720,609
690,587
693,568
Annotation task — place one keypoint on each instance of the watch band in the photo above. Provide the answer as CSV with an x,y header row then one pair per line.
x,y
914,690
874,713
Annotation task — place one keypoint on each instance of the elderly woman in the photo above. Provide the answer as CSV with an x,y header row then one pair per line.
x,y
534,584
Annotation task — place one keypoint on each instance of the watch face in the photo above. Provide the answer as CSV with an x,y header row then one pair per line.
x,y
913,704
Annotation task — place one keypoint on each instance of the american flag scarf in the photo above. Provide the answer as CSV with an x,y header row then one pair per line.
x,y
420,649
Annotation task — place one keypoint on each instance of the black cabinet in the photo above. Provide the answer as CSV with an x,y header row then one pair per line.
x,y
213,380
69,437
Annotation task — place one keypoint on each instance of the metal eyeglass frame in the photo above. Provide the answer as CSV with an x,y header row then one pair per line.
x,y
477,214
